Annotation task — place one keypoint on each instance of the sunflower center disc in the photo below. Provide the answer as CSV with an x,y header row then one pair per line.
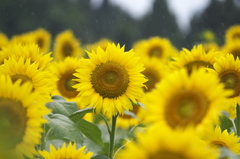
x,y
23,77
167,155
110,79
236,36
186,107
231,80
197,64
12,123
219,144
40,42
155,52
67,49
236,53
65,84
152,79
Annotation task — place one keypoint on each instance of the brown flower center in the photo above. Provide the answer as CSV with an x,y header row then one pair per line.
x,y
167,155
219,144
67,49
40,43
110,79
236,36
196,64
24,78
186,107
231,80
12,123
65,84
156,51
152,77
236,52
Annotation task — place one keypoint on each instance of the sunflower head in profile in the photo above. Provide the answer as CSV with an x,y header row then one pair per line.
x,y
233,48
63,71
222,139
159,142
227,69
69,151
195,58
155,47
232,33
103,43
192,100
110,80
66,44
21,119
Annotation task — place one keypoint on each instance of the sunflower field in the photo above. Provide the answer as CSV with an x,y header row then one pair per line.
x,y
61,99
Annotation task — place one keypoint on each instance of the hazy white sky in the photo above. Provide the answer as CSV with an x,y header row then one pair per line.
x,y
183,9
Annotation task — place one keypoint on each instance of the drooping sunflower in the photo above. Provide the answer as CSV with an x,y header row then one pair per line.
x,y
159,142
66,44
227,69
110,80
29,72
102,43
69,151
155,47
21,119
63,71
218,138
232,33
195,58
233,48
182,99
26,51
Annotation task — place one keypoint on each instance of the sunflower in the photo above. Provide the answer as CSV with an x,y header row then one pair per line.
x,y
26,51
63,71
160,142
102,43
217,139
29,72
232,33
232,47
195,58
210,46
182,100
69,151
21,119
208,36
155,47
67,45
110,80
3,40
227,69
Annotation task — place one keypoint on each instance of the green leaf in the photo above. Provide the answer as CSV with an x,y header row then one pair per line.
x,y
58,98
62,107
100,157
78,115
226,123
91,131
65,128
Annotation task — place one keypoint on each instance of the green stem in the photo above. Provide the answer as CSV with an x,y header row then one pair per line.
x,y
238,120
112,136
106,122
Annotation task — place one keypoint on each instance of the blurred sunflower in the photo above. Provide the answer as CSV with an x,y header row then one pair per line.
x,y
26,51
182,100
66,45
232,33
69,151
159,142
28,72
3,40
233,48
21,119
227,69
155,47
195,58
102,43
210,46
110,80
217,139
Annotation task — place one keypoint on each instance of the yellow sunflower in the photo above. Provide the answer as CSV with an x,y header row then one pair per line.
x,y
195,58
210,46
66,44
21,119
69,151
102,43
63,71
217,139
3,40
232,33
159,142
232,47
29,72
155,47
110,80
227,69
26,51
182,100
